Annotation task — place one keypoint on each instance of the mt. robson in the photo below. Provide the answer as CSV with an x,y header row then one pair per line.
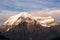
x,y
24,16
24,26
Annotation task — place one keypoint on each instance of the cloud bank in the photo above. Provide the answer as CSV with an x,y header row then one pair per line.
x,y
54,13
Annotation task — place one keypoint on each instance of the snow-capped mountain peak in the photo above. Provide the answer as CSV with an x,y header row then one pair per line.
x,y
24,16
19,17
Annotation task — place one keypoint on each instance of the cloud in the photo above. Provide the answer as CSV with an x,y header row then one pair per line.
x,y
28,5
54,13
5,14
12,7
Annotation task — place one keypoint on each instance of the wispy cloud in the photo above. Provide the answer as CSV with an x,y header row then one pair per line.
x,y
5,14
28,5
54,13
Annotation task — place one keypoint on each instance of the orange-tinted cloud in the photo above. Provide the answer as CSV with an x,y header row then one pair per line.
x,y
53,13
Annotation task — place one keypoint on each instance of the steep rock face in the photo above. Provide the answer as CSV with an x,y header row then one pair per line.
x,y
26,27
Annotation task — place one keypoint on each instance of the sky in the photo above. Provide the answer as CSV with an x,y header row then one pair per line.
x,y
28,5
12,7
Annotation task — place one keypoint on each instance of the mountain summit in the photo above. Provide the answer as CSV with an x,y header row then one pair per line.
x,y
16,19
24,16
24,26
